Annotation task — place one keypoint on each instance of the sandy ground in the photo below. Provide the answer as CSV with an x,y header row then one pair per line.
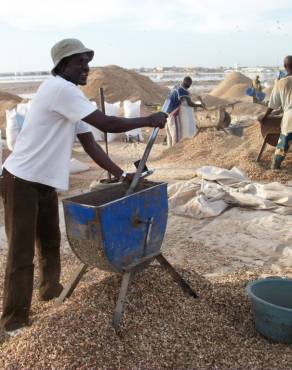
x,y
222,253
25,87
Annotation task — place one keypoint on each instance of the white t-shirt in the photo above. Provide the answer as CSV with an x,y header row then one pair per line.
x,y
281,96
44,146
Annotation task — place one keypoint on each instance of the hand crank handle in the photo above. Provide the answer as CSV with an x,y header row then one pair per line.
x,y
143,161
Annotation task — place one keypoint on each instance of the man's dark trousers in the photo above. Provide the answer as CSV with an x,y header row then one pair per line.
x,y
31,218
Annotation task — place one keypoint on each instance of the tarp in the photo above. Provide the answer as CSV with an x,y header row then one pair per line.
x,y
219,188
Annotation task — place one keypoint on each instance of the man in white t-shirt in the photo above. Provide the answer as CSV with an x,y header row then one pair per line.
x,y
281,97
39,164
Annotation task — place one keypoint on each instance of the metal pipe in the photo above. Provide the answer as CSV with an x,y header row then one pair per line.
x,y
101,96
143,161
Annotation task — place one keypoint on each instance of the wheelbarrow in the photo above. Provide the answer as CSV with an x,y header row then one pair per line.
x,y
119,228
270,130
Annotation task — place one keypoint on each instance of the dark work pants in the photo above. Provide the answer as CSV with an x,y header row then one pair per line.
x,y
31,217
284,143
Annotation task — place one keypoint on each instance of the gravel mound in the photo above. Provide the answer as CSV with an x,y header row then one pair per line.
x,y
216,148
233,87
121,84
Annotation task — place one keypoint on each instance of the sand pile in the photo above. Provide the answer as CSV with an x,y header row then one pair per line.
x,y
233,87
213,101
121,84
247,109
212,147
7,101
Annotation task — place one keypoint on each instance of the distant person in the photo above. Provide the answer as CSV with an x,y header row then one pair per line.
x,y
179,94
39,164
281,97
281,74
257,86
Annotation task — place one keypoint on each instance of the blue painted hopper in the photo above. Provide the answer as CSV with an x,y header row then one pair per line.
x,y
111,231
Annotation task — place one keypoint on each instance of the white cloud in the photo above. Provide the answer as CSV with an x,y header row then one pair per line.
x,y
208,16
66,13
232,16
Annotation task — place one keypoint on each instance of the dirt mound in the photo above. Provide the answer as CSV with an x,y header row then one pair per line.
x,y
232,87
121,84
216,148
7,101
213,101
247,109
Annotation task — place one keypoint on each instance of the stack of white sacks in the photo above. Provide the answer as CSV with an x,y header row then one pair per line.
x,y
15,118
110,110
131,110
14,122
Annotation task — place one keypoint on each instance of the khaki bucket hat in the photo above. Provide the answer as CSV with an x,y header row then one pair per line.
x,y
66,48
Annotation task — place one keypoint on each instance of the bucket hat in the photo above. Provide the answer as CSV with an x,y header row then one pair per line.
x,y
66,48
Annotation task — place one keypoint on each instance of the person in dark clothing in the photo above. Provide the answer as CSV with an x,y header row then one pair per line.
x,y
178,94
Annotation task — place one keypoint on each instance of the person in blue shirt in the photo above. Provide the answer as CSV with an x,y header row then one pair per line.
x,y
180,93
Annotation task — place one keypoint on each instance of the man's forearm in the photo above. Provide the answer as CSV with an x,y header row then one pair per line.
x,y
268,112
191,104
194,105
115,124
101,158
119,124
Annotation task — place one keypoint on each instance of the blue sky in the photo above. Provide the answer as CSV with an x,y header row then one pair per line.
x,y
148,32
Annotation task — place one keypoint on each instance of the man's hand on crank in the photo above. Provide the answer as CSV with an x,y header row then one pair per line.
x,y
261,118
203,105
158,119
129,177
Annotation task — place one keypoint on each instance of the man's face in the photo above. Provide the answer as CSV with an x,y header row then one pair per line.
x,y
76,69
187,84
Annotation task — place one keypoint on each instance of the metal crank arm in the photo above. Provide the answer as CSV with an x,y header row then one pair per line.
x,y
143,161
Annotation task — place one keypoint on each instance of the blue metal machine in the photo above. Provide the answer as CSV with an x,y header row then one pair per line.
x,y
111,231
119,228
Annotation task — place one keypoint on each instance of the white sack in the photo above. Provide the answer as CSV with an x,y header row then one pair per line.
x,y
14,124
112,110
180,124
171,130
188,124
133,110
22,108
77,166
98,134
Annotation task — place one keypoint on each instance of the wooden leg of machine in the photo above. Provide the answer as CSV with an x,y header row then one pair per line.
x,y
121,300
262,149
69,288
176,276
